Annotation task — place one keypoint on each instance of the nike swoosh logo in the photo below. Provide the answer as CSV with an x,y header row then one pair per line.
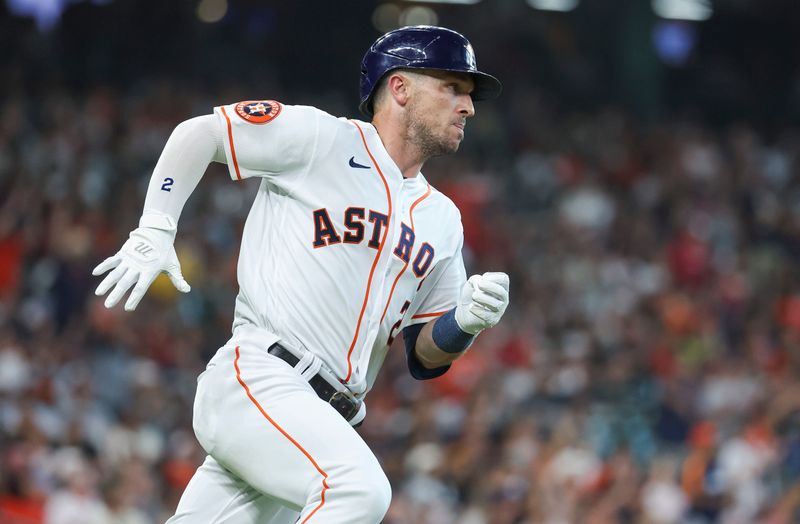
x,y
355,164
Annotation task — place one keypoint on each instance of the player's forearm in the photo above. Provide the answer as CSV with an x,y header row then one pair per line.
x,y
149,250
191,147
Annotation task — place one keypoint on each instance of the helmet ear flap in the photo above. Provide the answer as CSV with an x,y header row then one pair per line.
x,y
421,47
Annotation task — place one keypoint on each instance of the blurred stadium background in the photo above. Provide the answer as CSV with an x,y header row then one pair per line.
x,y
638,179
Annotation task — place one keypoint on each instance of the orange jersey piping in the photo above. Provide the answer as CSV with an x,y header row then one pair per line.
x,y
230,141
426,315
377,255
411,217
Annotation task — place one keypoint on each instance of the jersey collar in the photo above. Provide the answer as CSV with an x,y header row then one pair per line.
x,y
383,156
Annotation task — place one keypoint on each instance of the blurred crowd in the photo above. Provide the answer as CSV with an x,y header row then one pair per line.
x,y
647,370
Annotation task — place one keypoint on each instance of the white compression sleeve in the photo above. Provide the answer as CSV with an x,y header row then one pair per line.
x,y
191,147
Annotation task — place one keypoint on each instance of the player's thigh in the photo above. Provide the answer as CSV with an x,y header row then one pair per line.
x,y
215,496
272,431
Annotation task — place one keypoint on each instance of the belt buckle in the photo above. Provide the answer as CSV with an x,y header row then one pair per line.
x,y
345,405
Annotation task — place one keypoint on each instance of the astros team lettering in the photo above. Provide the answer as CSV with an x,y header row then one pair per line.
x,y
325,234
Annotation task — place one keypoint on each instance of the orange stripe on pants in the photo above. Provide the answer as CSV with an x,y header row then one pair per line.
x,y
285,434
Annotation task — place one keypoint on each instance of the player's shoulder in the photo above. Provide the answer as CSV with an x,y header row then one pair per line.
x,y
329,123
303,114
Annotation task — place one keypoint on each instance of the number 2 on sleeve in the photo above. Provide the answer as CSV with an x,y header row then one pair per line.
x,y
167,185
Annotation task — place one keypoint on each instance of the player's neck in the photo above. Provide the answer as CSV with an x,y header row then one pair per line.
x,y
406,156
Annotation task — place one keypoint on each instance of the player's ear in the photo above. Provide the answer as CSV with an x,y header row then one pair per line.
x,y
398,87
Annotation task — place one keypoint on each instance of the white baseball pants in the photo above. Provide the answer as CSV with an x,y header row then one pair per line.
x,y
278,454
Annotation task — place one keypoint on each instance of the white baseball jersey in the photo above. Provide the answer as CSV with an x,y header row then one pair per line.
x,y
340,252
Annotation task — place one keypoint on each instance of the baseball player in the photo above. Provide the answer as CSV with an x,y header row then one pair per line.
x,y
345,247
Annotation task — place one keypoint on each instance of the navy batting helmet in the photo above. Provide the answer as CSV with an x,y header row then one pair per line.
x,y
422,47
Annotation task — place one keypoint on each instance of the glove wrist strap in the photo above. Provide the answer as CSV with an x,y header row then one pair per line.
x,y
158,220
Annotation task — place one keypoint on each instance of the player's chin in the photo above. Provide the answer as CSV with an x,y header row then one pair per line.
x,y
455,141
451,146
447,147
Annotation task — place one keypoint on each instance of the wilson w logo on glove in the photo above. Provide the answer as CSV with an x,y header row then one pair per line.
x,y
143,248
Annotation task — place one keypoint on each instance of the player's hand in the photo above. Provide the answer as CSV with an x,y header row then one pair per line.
x,y
483,301
143,256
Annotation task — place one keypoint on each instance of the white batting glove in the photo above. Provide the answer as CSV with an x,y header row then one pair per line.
x,y
483,301
143,256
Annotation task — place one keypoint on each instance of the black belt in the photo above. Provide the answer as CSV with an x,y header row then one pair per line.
x,y
346,406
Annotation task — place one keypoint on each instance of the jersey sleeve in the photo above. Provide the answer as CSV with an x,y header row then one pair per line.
x,y
267,139
440,290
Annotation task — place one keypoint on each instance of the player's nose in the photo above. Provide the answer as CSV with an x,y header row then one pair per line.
x,y
466,107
